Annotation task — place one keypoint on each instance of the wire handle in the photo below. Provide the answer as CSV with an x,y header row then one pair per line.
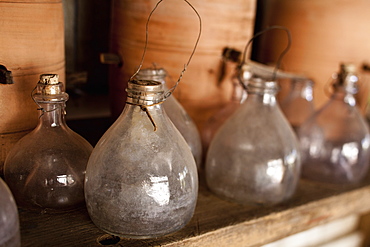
x,y
171,90
40,108
277,66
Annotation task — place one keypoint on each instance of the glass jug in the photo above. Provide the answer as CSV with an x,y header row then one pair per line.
x,y
141,179
254,157
335,141
46,168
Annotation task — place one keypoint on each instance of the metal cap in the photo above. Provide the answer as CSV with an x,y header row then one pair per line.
x,y
144,92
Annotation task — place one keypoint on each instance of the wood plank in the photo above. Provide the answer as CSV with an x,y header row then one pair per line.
x,y
215,223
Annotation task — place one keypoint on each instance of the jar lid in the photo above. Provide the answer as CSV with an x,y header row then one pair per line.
x,y
144,92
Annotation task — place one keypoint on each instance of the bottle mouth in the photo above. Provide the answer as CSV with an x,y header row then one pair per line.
x,y
153,73
144,92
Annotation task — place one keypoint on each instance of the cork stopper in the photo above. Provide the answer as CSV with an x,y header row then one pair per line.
x,y
49,88
144,92
347,78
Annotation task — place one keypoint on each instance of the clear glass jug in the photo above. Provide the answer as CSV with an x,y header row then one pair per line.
x,y
46,168
141,179
254,157
335,141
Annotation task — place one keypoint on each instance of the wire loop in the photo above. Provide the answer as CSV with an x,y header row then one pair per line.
x,y
171,90
43,111
278,63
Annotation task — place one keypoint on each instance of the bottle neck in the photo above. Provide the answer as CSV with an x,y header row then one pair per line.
x,y
262,91
52,114
263,98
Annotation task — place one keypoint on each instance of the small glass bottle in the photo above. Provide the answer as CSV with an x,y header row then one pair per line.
x,y
179,117
9,221
254,157
298,105
46,168
335,141
141,178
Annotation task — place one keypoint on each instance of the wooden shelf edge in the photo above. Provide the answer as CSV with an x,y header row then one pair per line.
x,y
277,225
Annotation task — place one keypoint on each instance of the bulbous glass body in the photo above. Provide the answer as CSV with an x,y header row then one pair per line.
x,y
176,112
9,222
298,105
335,141
254,157
46,168
141,182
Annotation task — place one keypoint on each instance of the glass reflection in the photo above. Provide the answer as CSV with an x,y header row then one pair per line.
x,y
275,170
158,189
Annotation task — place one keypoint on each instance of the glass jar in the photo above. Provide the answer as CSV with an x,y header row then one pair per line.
x,y
335,141
298,105
9,221
179,117
141,179
254,157
46,168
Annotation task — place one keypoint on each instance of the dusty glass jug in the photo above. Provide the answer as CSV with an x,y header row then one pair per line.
x,y
9,221
176,113
46,168
335,141
141,179
254,157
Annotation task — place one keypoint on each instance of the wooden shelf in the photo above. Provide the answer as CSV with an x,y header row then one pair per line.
x,y
215,223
